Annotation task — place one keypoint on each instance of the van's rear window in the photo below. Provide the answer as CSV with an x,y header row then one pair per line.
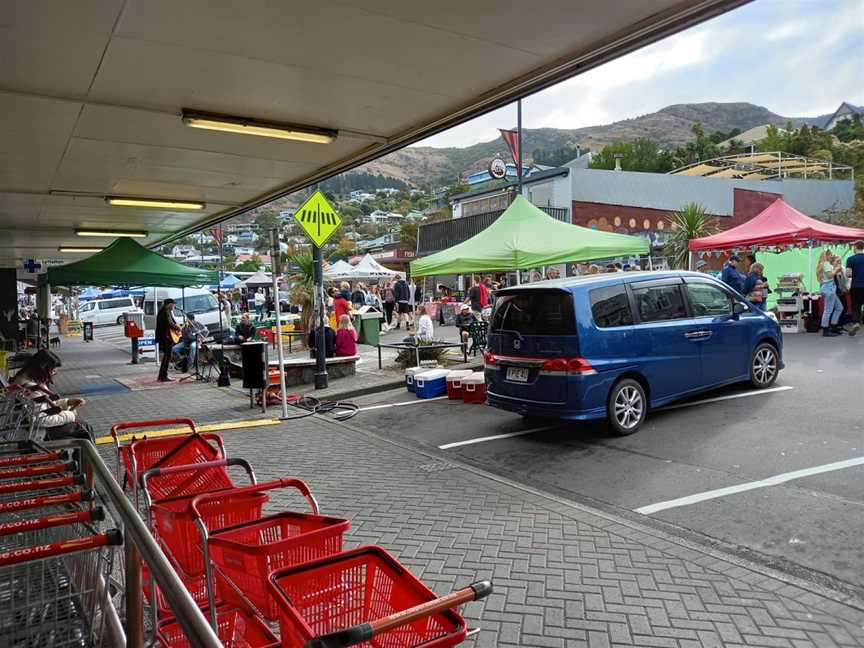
x,y
534,312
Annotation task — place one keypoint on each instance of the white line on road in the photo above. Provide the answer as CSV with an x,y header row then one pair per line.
x,y
754,392
740,488
495,437
414,402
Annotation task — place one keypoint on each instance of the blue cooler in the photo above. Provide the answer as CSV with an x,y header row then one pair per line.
x,y
410,372
431,383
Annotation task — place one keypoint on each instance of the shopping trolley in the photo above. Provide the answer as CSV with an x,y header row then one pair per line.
x,y
238,628
246,553
19,414
358,595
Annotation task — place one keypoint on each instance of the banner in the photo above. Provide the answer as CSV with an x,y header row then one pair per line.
x,y
216,233
511,138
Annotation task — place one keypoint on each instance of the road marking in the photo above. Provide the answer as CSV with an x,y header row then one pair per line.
x,y
414,402
495,437
754,392
782,478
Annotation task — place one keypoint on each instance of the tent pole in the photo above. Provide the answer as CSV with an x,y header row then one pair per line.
x,y
809,265
650,263
518,277
519,131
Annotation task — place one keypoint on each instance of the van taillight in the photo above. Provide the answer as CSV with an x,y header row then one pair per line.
x,y
490,359
568,365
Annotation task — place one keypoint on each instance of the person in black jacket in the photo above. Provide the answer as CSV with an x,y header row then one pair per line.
x,y
403,301
165,324
244,331
329,340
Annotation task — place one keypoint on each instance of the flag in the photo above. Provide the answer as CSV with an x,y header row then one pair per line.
x,y
216,233
511,138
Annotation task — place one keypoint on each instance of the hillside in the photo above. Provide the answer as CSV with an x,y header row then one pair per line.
x,y
669,127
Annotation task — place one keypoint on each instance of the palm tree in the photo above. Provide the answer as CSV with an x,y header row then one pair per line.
x,y
690,222
303,288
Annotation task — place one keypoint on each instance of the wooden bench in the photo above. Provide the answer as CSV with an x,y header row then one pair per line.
x,y
301,371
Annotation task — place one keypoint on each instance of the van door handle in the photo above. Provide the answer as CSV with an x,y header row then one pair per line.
x,y
693,335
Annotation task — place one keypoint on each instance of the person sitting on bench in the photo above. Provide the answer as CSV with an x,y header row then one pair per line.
x,y
329,340
244,331
464,319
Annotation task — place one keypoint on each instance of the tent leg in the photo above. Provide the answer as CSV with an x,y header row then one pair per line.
x,y
518,277
690,260
650,263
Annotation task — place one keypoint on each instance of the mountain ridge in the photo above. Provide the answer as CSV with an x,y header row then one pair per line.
x,y
669,127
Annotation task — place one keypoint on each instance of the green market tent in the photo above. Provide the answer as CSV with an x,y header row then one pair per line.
x,y
128,263
526,237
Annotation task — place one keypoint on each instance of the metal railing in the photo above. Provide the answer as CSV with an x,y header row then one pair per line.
x,y
434,237
139,545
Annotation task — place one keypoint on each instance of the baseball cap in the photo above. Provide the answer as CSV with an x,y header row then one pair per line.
x,y
734,257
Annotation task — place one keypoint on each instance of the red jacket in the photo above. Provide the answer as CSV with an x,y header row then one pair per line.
x,y
341,306
346,343
484,295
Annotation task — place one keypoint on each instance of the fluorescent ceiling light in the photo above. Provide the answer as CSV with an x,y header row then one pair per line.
x,y
111,233
120,201
246,126
73,248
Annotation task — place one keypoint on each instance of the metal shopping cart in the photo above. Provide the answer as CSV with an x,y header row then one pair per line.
x,y
18,414
365,596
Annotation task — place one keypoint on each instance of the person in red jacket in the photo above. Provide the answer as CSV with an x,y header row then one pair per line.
x,y
342,301
346,338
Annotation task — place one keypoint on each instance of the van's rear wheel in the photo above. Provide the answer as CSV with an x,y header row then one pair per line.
x,y
626,407
764,366
119,320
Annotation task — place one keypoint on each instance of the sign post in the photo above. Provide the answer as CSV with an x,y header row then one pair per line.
x,y
276,267
320,221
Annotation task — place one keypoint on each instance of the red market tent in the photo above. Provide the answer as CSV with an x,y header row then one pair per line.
x,y
777,224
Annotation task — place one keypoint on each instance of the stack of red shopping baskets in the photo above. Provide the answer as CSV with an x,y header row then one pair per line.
x,y
55,564
247,568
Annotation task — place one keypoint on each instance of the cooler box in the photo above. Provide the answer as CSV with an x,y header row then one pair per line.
x,y
474,388
410,372
431,383
454,383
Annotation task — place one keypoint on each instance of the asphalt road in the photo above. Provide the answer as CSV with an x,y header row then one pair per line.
x,y
814,521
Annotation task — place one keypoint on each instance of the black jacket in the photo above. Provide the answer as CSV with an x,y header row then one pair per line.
x,y
401,291
245,330
163,327
329,342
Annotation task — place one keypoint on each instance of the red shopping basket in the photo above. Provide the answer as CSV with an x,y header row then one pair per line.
x,y
354,596
123,451
236,629
193,449
247,553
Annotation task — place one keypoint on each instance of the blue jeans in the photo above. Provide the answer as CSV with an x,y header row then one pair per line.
x,y
833,307
193,349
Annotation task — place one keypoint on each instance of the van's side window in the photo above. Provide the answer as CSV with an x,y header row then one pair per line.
x,y
658,303
708,300
610,307
148,308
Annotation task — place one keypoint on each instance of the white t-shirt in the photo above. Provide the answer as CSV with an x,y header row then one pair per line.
x,y
259,299
424,328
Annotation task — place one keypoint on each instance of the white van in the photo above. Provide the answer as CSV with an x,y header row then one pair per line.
x,y
198,301
106,311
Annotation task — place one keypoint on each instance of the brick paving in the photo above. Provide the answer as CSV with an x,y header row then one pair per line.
x,y
565,574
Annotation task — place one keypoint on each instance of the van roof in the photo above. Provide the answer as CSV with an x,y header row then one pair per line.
x,y
601,279
174,292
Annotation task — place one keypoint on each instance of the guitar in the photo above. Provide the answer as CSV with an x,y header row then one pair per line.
x,y
176,333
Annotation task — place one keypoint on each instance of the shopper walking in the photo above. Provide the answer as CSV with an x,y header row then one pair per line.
x,y
389,303
855,271
756,287
402,294
832,310
731,276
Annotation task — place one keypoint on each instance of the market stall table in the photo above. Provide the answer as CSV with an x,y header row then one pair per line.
x,y
418,347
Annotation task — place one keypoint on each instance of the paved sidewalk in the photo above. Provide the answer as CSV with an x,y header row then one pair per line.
x,y
565,574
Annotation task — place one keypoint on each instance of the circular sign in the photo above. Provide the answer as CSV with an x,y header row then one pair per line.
x,y
497,168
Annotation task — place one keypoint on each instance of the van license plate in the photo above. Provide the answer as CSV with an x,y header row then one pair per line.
x,y
517,374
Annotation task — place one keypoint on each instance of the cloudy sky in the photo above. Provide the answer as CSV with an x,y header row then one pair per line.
x,y
797,58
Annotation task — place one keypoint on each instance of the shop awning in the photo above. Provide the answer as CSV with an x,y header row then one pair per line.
x,y
526,237
777,224
127,263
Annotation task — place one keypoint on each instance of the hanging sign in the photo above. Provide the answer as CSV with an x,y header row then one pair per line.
x,y
318,219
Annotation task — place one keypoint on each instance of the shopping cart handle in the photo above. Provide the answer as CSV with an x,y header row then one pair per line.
x,y
366,631
284,482
173,470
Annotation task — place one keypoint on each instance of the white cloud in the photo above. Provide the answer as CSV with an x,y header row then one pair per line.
x,y
796,58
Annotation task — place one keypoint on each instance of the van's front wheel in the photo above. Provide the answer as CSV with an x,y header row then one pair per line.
x,y
626,407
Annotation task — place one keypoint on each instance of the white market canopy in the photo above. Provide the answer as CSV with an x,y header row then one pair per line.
x,y
369,268
92,96
339,271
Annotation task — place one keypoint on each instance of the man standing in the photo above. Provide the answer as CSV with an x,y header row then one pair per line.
x,y
165,325
403,301
259,302
855,270
475,297
731,276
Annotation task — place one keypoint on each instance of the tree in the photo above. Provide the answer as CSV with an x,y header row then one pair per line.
x,y
849,129
641,154
408,235
690,222
250,265
264,222
302,288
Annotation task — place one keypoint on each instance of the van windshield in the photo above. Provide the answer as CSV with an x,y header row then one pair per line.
x,y
534,312
197,303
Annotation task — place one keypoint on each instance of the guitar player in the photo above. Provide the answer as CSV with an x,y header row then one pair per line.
x,y
167,335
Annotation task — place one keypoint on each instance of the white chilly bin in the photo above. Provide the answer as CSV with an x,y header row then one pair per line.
x,y
454,383
431,383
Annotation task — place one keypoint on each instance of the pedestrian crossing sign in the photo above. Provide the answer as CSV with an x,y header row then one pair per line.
x,y
318,218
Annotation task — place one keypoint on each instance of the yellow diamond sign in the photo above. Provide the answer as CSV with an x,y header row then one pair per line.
x,y
318,218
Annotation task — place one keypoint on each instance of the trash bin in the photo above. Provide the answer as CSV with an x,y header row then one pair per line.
x,y
370,328
88,332
133,324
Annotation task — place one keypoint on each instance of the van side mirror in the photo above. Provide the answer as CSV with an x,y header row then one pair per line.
x,y
738,308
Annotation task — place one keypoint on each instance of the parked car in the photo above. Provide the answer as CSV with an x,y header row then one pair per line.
x,y
106,311
617,345
199,301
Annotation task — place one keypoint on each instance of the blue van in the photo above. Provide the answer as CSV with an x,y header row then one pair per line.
x,y
616,345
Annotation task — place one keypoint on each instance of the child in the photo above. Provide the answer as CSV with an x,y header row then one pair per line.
x,y
346,338
424,328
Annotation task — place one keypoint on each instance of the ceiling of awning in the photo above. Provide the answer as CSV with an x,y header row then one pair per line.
x,y
91,93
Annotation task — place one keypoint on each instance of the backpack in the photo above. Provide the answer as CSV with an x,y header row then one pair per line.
x,y
389,296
